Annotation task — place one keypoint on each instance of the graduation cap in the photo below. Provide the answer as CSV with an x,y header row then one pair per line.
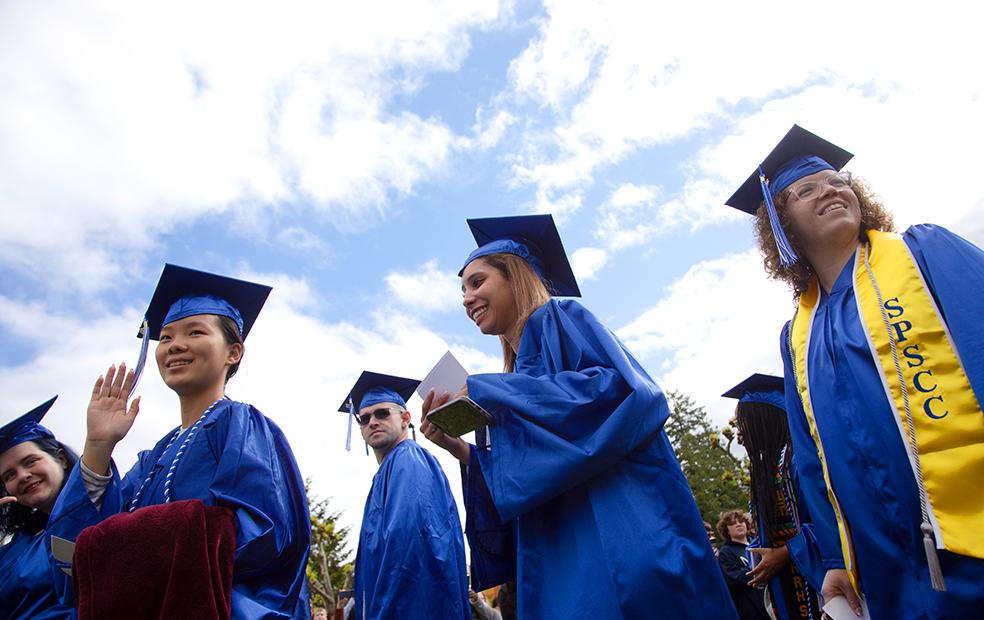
x,y
799,154
373,388
759,388
182,292
535,239
26,428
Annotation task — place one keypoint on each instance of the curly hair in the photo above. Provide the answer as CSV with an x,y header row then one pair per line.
x,y
732,516
874,216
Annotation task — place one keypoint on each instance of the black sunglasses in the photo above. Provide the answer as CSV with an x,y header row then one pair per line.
x,y
380,414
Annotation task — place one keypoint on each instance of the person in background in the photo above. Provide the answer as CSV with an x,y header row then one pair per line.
x,y
733,557
411,558
33,469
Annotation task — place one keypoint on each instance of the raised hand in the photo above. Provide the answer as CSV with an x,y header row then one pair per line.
x,y
456,446
108,419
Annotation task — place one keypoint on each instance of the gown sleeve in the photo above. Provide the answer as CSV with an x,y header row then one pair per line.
x,y
576,405
803,547
809,470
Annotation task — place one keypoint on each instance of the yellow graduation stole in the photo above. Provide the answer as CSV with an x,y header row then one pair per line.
x,y
922,375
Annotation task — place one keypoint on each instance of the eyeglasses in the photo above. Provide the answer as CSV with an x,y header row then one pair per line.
x,y
811,189
380,414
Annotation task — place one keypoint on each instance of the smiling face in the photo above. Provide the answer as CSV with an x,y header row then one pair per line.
x,y
32,475
829,215
193,354
383,434
488,298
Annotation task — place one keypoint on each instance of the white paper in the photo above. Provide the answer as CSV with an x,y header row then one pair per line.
x,y
62,549
839,609
448,375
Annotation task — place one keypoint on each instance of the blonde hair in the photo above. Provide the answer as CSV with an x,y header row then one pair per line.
x,y
874,216
528,290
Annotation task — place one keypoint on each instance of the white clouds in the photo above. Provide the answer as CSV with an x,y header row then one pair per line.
x,y
427,289
119,120
587,262
716,325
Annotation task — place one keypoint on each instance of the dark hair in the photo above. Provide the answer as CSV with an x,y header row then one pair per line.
x,y
231,332
874,216
16,517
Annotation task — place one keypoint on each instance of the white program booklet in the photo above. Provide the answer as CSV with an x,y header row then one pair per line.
x,y
838,609
448,375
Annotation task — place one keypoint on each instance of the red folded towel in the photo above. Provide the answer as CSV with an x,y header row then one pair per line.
x,y
165,561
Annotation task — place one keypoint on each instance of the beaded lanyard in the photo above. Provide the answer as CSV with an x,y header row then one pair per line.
x,y
174,462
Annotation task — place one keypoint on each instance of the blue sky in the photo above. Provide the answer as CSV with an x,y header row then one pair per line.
x,y
336,152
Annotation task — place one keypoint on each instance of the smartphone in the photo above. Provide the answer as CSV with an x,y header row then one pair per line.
x,y
459,416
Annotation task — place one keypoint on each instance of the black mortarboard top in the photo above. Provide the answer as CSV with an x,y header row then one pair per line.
x,y
533,238
26,427
183,292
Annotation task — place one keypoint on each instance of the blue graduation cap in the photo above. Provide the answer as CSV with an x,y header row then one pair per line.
x,y
799,154
182,292
26,428
535,239
759,388
373,388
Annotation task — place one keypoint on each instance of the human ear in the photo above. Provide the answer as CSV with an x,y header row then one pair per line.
x,y
235,353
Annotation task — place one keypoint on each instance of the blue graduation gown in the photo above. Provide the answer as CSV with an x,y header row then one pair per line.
x,y
605,525
411,558
26,589
239,459
868,465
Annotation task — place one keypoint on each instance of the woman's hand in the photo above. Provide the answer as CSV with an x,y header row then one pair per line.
x,y
456,446
108,419
773,560
8,499
837,583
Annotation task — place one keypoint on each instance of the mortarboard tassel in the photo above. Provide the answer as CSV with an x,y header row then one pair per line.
x,y
144,334
413,431
348,434
932,559
787,256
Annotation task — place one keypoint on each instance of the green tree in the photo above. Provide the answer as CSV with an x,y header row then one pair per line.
x,y
718,479
328,568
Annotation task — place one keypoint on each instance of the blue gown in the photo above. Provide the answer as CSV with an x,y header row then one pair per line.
x,y
26,589
868,465
411,559
579,494
239,459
